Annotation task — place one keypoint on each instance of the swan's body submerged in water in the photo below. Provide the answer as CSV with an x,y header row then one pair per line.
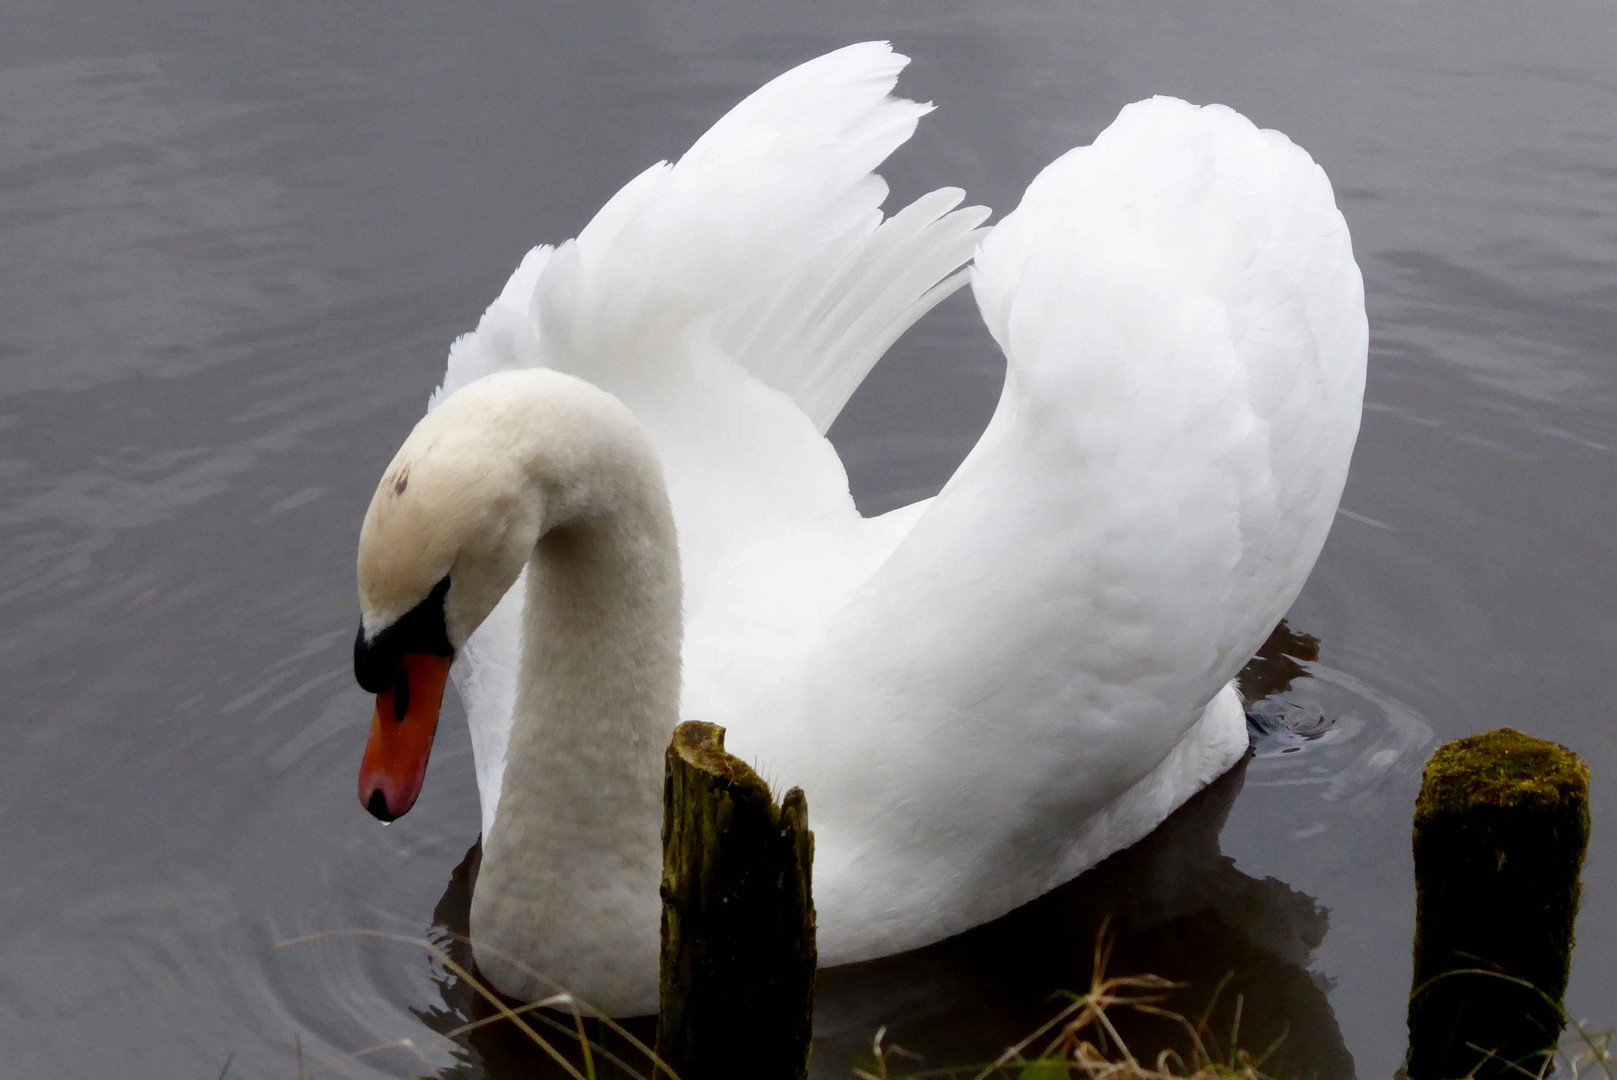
x,y
983,694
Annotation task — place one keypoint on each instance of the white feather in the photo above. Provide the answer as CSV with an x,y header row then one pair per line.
x,y
985,693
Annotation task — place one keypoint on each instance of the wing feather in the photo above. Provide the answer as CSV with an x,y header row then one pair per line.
x,y
767,235
1183,324
733,299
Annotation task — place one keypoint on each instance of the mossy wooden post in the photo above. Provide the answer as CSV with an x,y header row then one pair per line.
x,y
738,950
1500,830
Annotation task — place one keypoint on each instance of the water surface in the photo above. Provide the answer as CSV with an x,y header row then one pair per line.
x,y
239,238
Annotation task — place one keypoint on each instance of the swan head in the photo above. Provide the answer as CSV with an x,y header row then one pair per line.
x,y
453,520
457,515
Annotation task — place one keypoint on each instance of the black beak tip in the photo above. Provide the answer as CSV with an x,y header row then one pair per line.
x,y
378,807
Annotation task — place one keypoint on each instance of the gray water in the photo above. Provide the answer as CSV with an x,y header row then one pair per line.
x,y
237,240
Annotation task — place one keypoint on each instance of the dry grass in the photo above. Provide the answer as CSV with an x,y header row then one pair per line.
x,y
1586,1053
1079,1041
542,1022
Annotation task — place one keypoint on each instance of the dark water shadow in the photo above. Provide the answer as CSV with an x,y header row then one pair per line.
x,y
497,1048
1275,725
1277,664
1178,908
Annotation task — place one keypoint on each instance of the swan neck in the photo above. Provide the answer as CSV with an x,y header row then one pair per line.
x,y
577,828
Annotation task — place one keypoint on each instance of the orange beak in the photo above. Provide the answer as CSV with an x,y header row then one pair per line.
x,y
406,719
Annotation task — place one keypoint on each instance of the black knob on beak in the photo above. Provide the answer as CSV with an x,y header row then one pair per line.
x,y
378,807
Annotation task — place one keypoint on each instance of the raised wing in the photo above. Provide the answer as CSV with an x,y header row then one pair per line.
x,y
734,300
1185,289
1185,331
768,233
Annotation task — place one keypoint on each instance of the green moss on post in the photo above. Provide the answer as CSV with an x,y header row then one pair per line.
x,y
1500,831
738,945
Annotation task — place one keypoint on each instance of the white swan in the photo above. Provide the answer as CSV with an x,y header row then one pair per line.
x,y
983,694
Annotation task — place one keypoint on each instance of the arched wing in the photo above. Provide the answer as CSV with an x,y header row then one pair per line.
x,y
733,299
1184,327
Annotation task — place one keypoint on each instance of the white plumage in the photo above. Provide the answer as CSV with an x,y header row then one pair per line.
x,y
985,693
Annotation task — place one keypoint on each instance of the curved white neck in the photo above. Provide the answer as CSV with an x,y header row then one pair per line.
x,y
576,833
598,694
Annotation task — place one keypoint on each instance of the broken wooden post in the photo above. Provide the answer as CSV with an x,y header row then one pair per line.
x,y
738,947
1500,830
